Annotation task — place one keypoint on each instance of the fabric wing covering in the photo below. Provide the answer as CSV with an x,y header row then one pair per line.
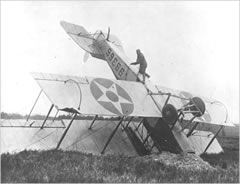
x,y
97,96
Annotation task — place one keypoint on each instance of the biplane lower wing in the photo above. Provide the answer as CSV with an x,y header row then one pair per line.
x,y
97,96
199,140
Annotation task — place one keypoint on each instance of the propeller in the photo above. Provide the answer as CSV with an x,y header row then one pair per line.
x,y
108,34
85,57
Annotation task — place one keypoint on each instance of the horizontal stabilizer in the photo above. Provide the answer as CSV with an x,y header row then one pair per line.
x,y
80,35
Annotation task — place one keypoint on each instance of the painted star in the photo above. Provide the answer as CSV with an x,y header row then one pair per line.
x,y
111,95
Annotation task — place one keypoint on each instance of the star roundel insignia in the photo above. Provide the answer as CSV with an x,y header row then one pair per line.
x,y
111,96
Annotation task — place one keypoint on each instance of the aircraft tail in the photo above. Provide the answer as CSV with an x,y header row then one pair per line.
x,y
83,38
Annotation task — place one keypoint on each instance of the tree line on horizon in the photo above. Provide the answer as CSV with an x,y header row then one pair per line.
x,y
5,115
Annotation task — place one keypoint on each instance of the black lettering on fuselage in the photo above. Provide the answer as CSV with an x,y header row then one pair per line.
x,y
114,62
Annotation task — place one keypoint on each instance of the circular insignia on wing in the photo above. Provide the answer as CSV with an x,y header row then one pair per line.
x,y
111,96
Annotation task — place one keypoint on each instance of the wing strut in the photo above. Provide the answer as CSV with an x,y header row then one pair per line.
x,y
55,116
209,144
47,116
94,119
112,134
66,130
139,124
193,128
34,105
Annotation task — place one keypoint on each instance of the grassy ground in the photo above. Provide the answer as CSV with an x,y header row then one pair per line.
x,y
61,166
69,166
229,160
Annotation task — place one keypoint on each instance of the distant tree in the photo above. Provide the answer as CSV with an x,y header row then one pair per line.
x,y
4,115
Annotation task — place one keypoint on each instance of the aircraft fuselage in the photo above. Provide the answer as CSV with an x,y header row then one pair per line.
x,y
115,59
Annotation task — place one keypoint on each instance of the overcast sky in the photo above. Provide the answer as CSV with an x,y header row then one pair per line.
x,y
189,45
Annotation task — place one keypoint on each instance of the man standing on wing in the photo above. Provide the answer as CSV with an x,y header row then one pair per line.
x,y
143,64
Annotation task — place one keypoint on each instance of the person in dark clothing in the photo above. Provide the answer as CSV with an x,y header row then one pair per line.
x,y
143,63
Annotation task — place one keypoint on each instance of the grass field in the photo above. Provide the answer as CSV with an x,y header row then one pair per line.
x,y
68,166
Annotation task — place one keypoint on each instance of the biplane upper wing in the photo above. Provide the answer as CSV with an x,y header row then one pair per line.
x,y
97,96
215,112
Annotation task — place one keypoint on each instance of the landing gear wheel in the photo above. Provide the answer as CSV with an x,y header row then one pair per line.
x,y
169,113
199,106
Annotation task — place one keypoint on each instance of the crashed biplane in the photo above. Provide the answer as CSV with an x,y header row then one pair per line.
x,y
168,118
